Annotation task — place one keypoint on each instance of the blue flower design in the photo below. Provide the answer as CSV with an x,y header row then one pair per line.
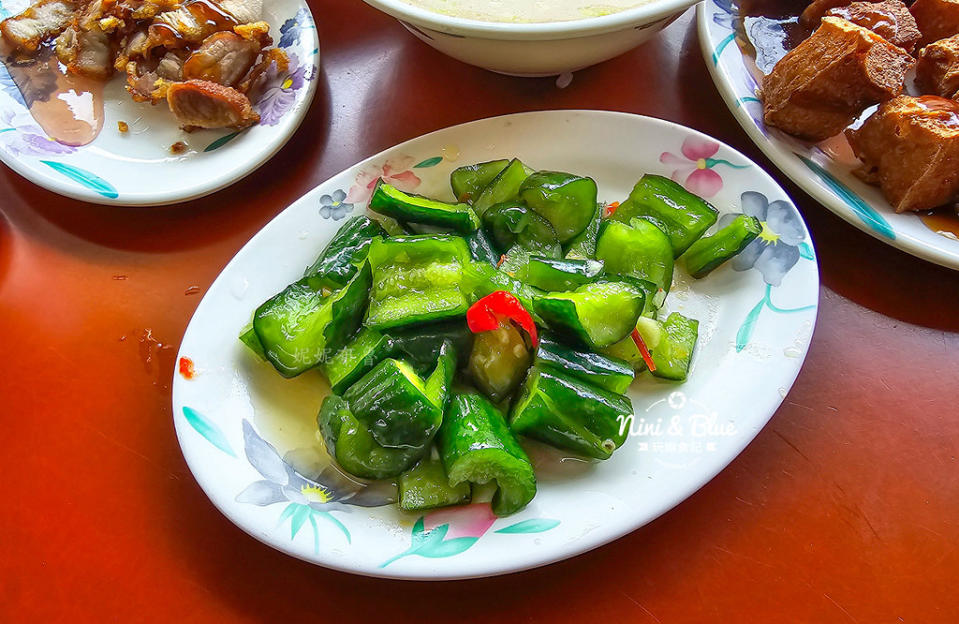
x,y
777,248
334,207
8,86
290,30
307,498
28,139
727,12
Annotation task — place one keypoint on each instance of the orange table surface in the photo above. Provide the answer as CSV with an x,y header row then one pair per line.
x,y
845,508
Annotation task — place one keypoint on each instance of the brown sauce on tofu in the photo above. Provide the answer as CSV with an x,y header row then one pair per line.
x,y
944,221
68,107
939,109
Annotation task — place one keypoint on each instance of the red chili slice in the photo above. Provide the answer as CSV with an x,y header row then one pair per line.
x,y
485,314
643,350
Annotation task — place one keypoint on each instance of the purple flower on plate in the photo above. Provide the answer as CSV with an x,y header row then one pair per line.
x,y
777,248
725,15
334,206
28,139
279,94
290,30
307,499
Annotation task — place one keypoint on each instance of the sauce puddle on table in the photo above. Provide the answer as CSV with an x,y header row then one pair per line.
x,y
68,107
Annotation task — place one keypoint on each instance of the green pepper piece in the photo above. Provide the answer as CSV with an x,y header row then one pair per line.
x,y
711,251
499,361
626,349
504,187
560,275
481,248
400,408
483,279
583,246
350,443
606,372
300,327
596,315
639,249
417,279
336,265
392,202
477,446
248,337
567,201
511,224
674,352
426,486
367,349
467,182
683,216
571,414
420,345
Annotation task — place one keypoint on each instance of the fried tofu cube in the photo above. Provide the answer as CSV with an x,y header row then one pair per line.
x,y
937,70
825,82
910,147
817,9
937,19
889,19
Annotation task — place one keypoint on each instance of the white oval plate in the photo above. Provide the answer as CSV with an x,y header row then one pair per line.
x,y
827,178
136,168
237,420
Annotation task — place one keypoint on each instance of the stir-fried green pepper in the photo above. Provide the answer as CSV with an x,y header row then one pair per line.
x,y
499,361
683,216
248,337
400,408
627,350
567,201
392,202
300,327
556,275
606,372
503,188
351,444
417,279
426,486
477,446
639,250
481,248
367,349
569,413
711,251
511,224
420,345
596,315
674,352
468,181
348,248
583,247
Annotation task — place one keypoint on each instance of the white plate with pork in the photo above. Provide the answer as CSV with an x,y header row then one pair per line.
x,y
151,102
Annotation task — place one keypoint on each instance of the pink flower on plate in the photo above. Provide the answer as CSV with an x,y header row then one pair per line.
x,y
694,169
464,521
396,171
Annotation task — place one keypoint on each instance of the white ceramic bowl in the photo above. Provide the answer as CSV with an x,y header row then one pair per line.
x,y
536,49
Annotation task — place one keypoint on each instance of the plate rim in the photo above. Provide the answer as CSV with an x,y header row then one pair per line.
x,y
177,194
786,162
593,539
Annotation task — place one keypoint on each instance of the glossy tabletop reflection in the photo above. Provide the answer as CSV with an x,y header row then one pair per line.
x,y
845,508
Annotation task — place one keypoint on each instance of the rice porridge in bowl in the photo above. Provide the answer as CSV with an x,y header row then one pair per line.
x,y
525,11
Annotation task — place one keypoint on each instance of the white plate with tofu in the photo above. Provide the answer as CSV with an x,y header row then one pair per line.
x,y
823,169
204,95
